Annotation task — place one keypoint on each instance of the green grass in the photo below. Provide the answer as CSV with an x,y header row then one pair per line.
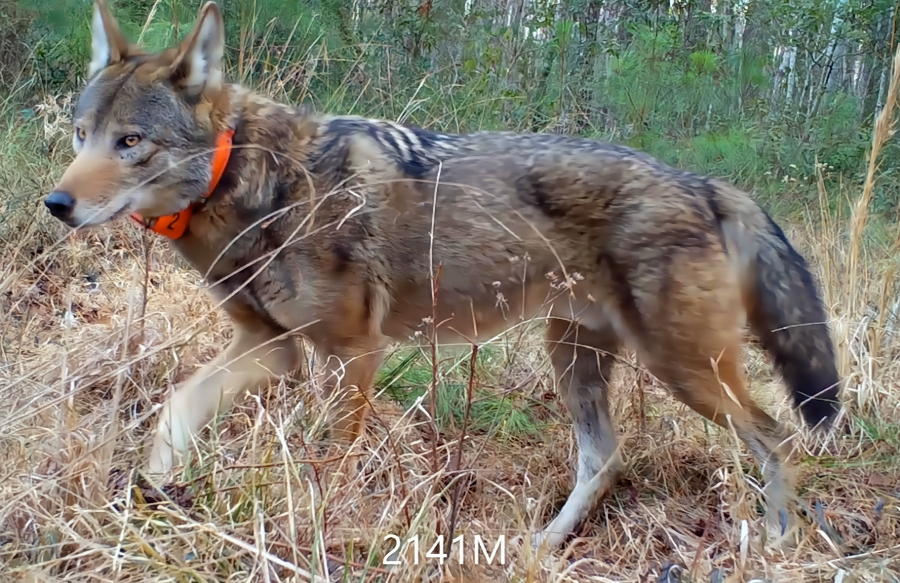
x,y
406,377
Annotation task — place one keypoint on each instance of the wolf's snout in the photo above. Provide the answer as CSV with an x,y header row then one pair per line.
x,y
60,204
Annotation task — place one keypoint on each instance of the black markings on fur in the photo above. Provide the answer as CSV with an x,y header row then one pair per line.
x,y
282,196
710,193
611,199
247,293
414,150
792,326
687,238
144,161
419,151
621,289
533,192
775,229
343,257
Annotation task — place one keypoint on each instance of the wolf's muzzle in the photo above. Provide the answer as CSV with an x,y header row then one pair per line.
x,y
60,204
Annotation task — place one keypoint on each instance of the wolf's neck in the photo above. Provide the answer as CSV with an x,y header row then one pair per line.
x,y
270,145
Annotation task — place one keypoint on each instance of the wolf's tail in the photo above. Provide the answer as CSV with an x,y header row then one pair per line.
x,y
784,308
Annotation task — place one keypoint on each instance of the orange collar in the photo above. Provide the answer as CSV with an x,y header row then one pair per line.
x,y
174,226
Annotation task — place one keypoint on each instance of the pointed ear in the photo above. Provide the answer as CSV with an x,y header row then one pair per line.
x,y
198,65
108,46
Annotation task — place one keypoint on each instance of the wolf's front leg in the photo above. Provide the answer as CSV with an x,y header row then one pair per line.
x,y
250,361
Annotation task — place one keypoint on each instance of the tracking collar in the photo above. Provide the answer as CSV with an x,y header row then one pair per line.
x,y
175,225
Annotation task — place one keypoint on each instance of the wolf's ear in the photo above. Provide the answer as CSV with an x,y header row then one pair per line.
x,y
108,46
198,65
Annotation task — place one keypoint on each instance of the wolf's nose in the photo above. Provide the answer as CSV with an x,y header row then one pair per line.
x,y
60,204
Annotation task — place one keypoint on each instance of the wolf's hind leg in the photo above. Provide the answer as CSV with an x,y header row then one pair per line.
x,y
702,390
694,347
582,360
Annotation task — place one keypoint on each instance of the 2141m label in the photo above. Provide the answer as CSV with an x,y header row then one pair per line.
x,y
463,549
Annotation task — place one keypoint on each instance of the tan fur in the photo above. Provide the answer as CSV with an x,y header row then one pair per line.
x,y
323,226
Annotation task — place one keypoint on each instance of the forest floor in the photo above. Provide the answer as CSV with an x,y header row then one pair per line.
x,y
96,327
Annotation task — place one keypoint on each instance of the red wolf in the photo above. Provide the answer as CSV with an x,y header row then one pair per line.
x,y
324,224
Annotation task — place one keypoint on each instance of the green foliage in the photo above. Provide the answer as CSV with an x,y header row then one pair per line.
x,y
839,140
677,83
59,38
406,377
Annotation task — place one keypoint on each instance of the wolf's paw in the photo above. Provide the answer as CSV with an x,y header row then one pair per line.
x,y
780,532
548,539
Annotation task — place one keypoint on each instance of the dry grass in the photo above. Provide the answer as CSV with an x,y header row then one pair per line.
x,y
92,343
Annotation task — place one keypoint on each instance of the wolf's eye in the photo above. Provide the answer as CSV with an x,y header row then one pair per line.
x,y
81,134
131,141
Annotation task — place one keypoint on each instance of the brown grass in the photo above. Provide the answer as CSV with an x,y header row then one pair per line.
x,y
89,352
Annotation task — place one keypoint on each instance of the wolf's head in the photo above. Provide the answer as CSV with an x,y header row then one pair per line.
x,y
144,127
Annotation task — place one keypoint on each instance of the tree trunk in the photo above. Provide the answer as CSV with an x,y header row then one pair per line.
x,y
882,88
792,74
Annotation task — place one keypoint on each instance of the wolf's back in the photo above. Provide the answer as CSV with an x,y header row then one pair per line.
x,y
784,308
